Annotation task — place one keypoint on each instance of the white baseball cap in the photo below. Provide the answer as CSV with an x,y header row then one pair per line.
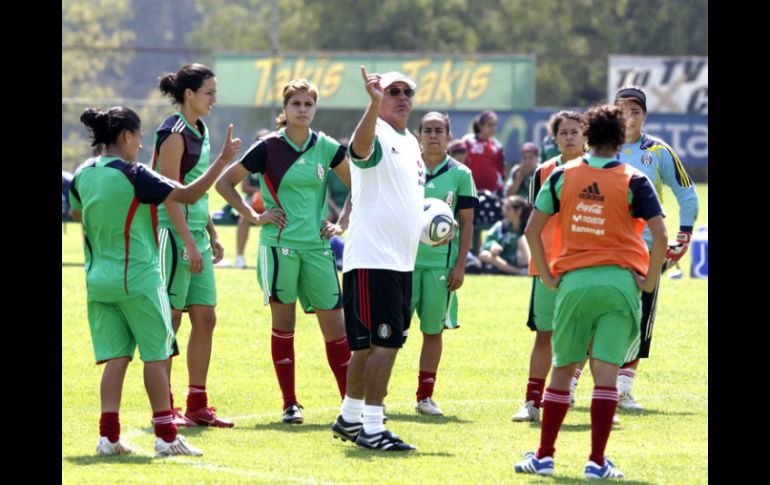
x,y
391,77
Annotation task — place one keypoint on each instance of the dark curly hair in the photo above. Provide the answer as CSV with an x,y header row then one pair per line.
x,y
605,127
105,126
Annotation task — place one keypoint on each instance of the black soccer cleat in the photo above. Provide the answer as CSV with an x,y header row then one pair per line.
x,y
346,431
385,441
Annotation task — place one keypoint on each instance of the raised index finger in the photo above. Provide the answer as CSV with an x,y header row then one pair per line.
x,y
363,73
230,132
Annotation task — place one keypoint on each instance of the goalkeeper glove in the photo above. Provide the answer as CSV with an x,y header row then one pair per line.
x,y
678,248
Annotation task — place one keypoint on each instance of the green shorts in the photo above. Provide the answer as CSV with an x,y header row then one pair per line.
x,y
184,288
431,299
308,274
117,328
602,303
541,305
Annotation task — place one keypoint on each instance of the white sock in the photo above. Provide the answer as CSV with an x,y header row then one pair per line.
x,y
352,409
239,261
373,416
626,380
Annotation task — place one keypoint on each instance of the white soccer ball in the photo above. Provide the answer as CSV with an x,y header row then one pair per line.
x,y
437,221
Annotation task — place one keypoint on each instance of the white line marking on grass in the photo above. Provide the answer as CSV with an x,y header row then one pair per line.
x,y
254,474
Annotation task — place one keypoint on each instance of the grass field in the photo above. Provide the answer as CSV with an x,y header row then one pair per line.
x,y
480,384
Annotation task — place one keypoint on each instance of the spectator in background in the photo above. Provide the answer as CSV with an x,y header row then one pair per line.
x,y
505,248
485,154
548,146
457,150
486,160
521,173
252,194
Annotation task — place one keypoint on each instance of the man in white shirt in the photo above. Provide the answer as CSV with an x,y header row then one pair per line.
x,y
387,178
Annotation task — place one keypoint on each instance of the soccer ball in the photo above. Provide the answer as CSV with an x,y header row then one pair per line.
x,y
437,221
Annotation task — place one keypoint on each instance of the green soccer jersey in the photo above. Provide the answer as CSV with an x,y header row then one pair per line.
x,y
195,161
451,182
294,179
120,242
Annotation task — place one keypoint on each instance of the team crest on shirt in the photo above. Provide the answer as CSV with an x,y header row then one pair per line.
x,y
384,331
320,171
647,159
450,197
185,257
285,251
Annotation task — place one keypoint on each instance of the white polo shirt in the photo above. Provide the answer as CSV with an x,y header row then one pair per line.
x,y
387,196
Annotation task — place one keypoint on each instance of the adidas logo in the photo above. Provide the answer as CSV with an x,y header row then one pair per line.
x,y
430,186
393,150
591,193
285,361
301,161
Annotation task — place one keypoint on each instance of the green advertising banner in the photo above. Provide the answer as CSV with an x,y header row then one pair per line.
x,y
499,82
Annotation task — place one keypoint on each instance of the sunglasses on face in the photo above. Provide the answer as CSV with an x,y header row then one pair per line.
x,y
408,92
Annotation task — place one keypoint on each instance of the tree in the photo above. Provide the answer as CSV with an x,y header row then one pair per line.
x,y
91,29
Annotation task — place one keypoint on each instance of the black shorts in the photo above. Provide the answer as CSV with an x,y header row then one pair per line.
x,y
531,315
377,307
649,305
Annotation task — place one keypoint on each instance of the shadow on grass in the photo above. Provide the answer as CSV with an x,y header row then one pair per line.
x,y
624,412
115,459
185,431
565,480
292,428
421,418
367,454
569,427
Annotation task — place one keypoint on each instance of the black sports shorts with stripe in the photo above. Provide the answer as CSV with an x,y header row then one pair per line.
x,y
377,307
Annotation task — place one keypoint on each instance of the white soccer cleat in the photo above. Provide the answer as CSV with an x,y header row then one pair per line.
x,y
428,406
528,412
615,419
177,447
105,447
626,401
240,262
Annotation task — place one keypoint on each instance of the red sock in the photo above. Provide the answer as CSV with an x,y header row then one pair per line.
x,y
197,398
338,355
282,346
163,423
109,426
555,406
425,383
603,405
535,390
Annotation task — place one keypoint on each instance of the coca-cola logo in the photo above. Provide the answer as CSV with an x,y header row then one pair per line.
x,y
590,208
